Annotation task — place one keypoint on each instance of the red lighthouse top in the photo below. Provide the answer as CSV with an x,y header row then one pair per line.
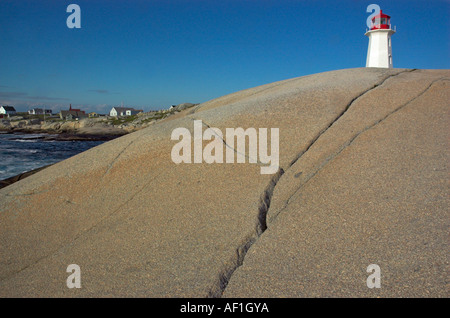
x,y
381,21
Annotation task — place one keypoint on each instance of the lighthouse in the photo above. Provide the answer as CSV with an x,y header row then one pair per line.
x,y
379,53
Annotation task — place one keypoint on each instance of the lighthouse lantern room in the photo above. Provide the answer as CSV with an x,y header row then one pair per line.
x,y
379,53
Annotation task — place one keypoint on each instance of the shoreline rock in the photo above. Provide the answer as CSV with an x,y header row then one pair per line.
x,y
88,129
8,181
66,136
52,137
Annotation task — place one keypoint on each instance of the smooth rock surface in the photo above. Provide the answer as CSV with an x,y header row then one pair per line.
x,y
363,180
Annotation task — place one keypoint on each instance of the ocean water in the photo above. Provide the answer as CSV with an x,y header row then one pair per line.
x,y
24,152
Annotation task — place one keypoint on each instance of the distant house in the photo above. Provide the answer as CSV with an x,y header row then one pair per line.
x,y
67,116
39,111
72,113
93,115
124,111
7,110
131,112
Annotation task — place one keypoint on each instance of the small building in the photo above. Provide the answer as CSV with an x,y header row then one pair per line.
x,y
93,115
123,111
72,113
131,112
40,111
7,110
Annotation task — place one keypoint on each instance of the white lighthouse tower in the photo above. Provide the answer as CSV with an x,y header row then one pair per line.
x,y
379,53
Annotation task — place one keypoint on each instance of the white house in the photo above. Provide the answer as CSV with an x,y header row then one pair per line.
x,y
39,111
123,111
7,110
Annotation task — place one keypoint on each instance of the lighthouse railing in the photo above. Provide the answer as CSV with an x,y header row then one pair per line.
x,y
390,27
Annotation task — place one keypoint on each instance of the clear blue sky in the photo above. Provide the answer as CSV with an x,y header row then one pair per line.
x,y
154,53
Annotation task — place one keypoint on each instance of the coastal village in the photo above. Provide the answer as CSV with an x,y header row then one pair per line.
x,y
119,120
